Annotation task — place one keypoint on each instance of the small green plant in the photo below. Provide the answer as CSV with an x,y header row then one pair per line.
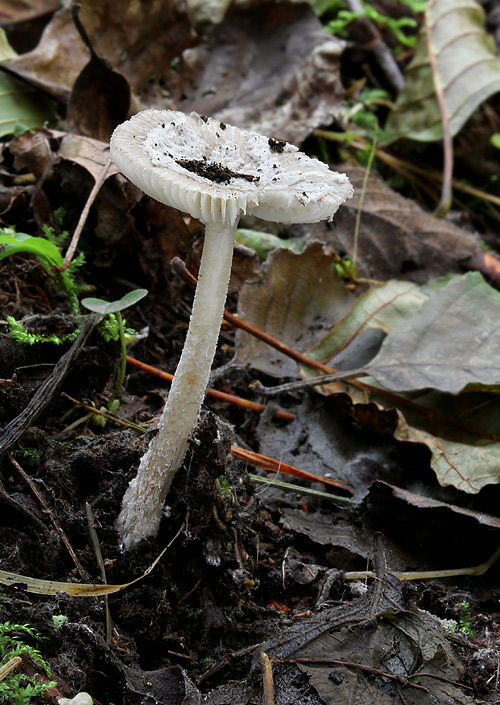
x,y
47,251
19,333
114,308
345,268
223,486
464,619
58,620
18,687
32,454
343,19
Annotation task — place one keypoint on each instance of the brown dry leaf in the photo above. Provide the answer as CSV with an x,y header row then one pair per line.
x,y
91,154
298,298
15,11
99,100
458,429
32,151
132,37
272,69
397,238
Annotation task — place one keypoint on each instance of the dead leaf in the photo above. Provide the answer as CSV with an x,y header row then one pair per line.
x,y
134,38
298,297
15,11
382,307
99,100
422,646
397,238
460,431
451,344
32,151
89,153
271,69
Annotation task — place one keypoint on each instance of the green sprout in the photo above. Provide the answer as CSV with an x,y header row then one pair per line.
x,y
114,308
58,620
15,687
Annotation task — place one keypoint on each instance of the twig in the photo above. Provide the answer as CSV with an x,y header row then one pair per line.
x,y
261,461
280,485
400,165
98,555
362,197
222,396
84,215
446,192
403,680
475,570
59,530
382,53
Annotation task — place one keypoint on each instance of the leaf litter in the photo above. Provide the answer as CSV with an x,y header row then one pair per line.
x,y
278,561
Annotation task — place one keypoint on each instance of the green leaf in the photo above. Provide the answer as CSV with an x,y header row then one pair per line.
x,y
467,69
264,243
47,253
21,106
106,307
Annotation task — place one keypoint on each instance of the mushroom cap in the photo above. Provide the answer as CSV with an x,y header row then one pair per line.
x,y
218,172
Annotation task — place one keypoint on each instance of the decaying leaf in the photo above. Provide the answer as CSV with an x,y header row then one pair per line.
x,y
383,307
271,69
132,37
397,238
441,339
288,307
468,72
89,153
14,11
452,344
422,647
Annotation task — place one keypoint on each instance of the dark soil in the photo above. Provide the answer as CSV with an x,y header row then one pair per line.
x,y
244,565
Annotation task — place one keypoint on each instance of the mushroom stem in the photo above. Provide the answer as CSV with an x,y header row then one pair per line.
x,y
143,501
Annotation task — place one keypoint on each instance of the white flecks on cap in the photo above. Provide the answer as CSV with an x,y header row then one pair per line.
x,y
218,172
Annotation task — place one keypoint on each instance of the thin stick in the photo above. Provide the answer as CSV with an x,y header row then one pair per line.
x,y
383,54
261,461
362,197
48,511
83,217
446,192
9,666
222,396
98,555
428,574
267,679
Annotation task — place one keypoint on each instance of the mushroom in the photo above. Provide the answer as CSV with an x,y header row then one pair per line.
x,y
215,172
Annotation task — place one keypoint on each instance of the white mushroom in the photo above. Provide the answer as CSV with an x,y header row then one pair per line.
x,y
215,172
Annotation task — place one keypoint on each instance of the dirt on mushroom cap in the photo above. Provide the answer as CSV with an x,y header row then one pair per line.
x,y
217,172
